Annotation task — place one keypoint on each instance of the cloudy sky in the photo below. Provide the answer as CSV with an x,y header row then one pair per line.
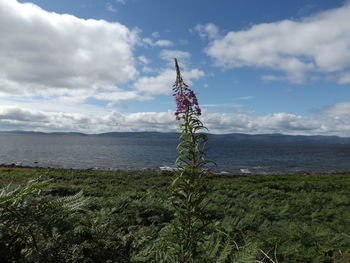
x,y
99,66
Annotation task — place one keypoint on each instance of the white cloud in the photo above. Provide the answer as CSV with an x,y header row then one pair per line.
x,y
318,43
246,98
144,60
169,55
120,2
26,119
50,54
157,43
14,117
222,105
340,110
111,8
119,96
163,43
209,30
155,35
273,77
147,69
162,83
18,114
275,123
342,78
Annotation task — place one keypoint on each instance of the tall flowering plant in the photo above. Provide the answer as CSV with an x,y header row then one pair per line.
x,y
188,189
191,237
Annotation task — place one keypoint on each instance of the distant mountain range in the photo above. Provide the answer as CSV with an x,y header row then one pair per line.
x,y
239,137
281,138
43,133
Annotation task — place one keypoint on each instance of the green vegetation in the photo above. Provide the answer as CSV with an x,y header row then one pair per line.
x,y
292,218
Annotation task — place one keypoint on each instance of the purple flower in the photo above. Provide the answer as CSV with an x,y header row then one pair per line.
x,y
186,102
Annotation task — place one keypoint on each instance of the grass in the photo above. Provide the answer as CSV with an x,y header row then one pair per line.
x,y
301,218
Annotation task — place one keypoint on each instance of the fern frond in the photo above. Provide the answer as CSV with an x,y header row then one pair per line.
x,y
9,195
225,252
246,254
71,203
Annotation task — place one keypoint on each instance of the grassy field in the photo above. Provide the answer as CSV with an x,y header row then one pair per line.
x,y
294,218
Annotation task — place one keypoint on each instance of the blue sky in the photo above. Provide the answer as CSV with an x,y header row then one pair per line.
x,y
98,66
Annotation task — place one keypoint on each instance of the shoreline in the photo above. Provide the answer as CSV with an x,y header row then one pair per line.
x,y
159,170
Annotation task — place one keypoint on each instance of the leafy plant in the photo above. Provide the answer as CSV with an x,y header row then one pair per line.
x,y
188,191
293,218
35,228
193,236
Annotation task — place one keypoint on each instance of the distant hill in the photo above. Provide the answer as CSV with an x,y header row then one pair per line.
x,y
281,138
234,137
139,134
43,133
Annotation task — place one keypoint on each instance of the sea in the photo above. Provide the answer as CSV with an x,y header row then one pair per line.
x,y
157,152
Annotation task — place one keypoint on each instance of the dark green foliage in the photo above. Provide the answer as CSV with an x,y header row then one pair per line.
x,y
34,228
188,195
305,218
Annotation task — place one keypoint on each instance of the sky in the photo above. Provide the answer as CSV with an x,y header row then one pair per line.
x,y
98,66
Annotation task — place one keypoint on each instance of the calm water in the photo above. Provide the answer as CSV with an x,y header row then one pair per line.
x,y
152,152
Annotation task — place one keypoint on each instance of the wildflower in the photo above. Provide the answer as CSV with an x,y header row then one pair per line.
x,y
188,188
186,100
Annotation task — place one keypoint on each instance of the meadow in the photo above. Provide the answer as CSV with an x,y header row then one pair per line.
x,y
290,218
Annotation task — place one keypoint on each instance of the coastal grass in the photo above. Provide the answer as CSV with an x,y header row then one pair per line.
x,y
293,218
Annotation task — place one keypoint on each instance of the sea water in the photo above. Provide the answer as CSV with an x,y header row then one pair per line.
x,y
153,152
